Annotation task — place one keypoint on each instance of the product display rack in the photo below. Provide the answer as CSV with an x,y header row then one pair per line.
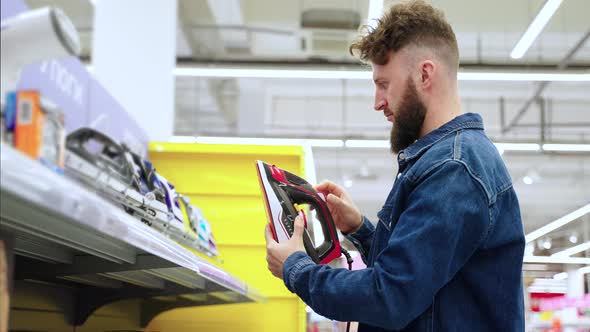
x,y
63,235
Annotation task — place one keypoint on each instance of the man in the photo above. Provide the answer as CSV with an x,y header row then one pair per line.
x,y
446,252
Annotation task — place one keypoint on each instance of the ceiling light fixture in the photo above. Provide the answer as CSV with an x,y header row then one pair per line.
x,y
347,183
547,243
518,146
367,75
526,77
558,223
567,147
337,143
535,28
529,250
528,180
374,13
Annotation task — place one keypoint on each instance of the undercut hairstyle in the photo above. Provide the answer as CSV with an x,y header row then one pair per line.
x,y
409,23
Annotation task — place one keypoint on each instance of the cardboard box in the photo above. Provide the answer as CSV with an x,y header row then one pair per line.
x,y
39,129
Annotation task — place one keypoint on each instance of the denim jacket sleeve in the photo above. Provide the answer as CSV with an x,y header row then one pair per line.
x,y
362,238
445,221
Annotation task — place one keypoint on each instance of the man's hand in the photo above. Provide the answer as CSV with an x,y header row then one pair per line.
x,y
277,253
346,215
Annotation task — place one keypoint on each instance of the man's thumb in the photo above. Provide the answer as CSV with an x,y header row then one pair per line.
x,y
298,232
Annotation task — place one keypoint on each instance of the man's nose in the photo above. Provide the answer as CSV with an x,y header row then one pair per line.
x,y
380,104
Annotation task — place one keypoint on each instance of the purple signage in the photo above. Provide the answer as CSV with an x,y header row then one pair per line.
x,y
9,8
85,102
64,82
67,83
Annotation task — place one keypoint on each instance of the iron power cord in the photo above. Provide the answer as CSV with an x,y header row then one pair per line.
x,y
349,261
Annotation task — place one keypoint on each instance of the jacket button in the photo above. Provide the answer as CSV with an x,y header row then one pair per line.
x,y
402,156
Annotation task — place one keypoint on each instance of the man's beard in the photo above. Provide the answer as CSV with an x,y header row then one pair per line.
x,y
408,120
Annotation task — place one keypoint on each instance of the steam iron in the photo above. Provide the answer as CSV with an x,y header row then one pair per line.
x,y
283,192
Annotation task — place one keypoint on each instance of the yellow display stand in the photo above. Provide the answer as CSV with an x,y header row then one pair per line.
x,y
222,181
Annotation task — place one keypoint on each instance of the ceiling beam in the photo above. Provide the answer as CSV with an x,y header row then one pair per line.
x,y
229,13
564,63
187,32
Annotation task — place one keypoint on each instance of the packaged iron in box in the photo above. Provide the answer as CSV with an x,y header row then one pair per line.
x,y
39,129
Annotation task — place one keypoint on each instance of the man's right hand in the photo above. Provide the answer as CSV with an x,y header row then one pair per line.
x,y
346,215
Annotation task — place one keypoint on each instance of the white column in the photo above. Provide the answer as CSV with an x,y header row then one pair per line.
x,y
251,107
133,56
575,288
575,282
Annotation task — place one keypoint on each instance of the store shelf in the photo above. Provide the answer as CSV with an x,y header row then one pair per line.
x,y
581,323
66,235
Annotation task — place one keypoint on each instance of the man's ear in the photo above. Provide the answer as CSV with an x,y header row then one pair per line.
x,y
427,72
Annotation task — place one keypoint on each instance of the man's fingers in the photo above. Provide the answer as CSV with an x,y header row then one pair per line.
x,y
328,187
268,235
299,226
334,200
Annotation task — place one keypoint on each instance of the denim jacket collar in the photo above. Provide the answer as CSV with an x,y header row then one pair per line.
x,y
464,121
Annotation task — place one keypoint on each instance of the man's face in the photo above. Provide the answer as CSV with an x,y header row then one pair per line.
x,y
397,97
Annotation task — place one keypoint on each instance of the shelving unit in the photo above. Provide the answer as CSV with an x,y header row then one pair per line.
x,y
63,235
581,323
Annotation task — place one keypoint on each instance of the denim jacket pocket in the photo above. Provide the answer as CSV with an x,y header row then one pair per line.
x,y
382,232
385,217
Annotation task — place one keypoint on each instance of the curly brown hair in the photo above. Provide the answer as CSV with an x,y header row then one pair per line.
x,y
413,22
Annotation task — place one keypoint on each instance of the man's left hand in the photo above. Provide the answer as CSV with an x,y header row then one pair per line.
x,y
277,253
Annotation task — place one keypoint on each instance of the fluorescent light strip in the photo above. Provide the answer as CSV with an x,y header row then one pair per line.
x,y
535,28
558,223
272,73
556,260
336,143
374,12
351,143
367,75
517,146
573,250
567,147
553,77
269,141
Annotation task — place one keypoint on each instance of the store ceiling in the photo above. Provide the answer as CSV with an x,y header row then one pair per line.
x,y
271,31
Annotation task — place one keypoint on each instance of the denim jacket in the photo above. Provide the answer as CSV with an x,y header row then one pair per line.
x,y
446,253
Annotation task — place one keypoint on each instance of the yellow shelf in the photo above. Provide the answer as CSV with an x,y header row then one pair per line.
x,y
221,180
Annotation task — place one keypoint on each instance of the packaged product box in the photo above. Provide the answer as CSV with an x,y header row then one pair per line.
x,y
39,129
